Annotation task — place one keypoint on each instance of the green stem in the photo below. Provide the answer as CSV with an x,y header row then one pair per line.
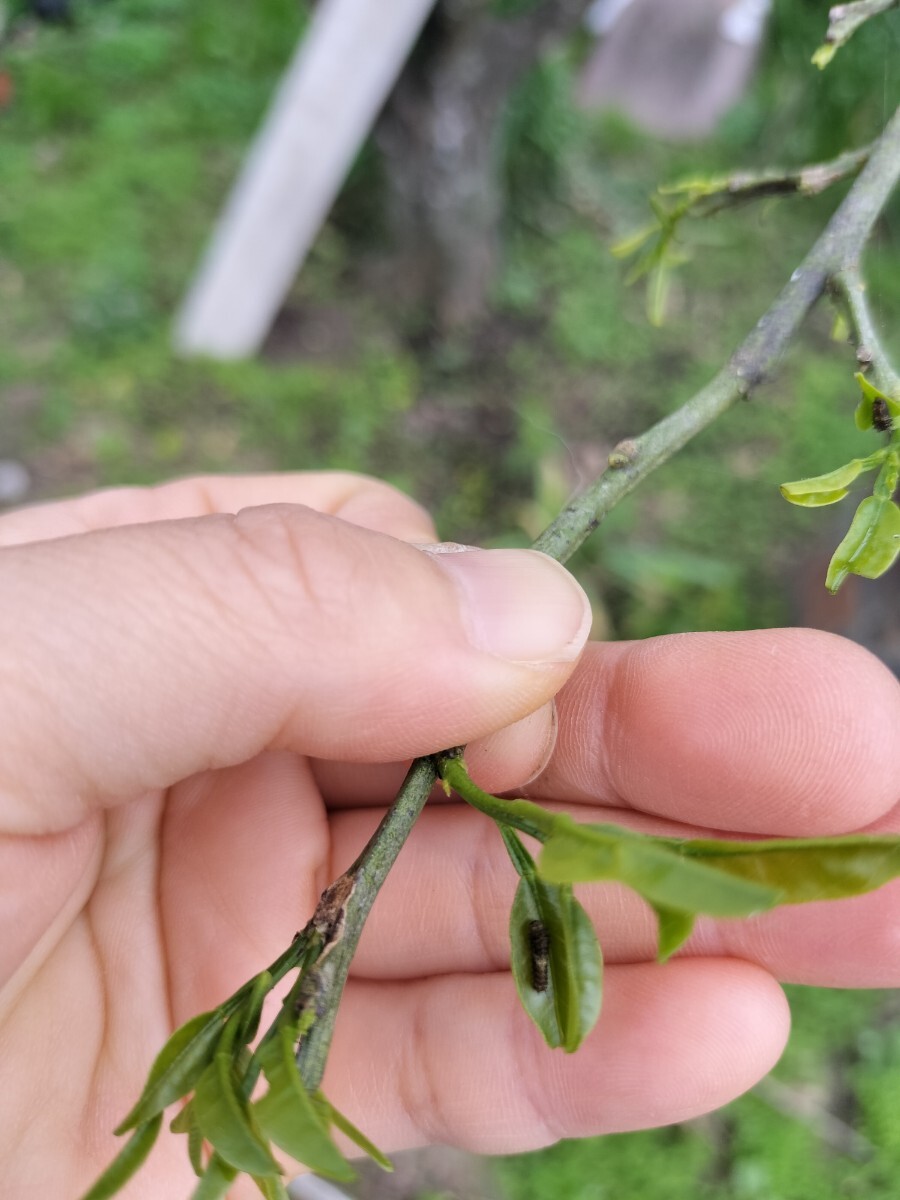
x,y
528,818
850,288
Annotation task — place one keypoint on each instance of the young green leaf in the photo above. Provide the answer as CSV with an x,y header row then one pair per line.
x,y
288,1116
271,1187
870,395
675,927
196,1142
129,1159
555,956
252,1009
226,1120
355,1135
215,1180
559,980
581,853
186,1122
804,869
177,1067
871,544
831,487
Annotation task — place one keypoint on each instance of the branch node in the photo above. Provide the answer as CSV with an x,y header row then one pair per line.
x,y
623,454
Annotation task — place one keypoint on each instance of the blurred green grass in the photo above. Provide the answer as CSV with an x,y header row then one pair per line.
x,y
115,154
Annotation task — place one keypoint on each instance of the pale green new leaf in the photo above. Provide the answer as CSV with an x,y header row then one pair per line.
x,y
177,1067
129,1160
831,487
871,544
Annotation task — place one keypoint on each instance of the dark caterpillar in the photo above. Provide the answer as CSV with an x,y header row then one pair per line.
x,y
881,415
539,949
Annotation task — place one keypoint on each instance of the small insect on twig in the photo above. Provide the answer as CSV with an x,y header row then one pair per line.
x,y
539,949
881,415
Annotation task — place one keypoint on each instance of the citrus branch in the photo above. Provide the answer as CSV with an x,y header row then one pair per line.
x,y
706,197
838,249
843,22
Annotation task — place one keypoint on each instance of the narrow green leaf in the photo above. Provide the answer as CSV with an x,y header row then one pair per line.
x,y
196,1144
675,927
581,853
871,544
271,1187
226,1120
804,869
215,1181
129,1159
288,1116
556,962
356,1135
177,1067
252,1010
629,245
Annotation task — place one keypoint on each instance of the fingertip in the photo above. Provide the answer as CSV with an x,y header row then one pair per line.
x,y
516,754
787,731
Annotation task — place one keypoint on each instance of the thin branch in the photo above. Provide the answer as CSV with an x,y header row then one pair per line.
x,y
709,196
837,249
324,984
805,1106
843,22
849,287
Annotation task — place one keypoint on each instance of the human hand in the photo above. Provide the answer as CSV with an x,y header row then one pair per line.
x,y
186,708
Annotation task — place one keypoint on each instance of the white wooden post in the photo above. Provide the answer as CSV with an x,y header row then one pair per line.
x,y
328,100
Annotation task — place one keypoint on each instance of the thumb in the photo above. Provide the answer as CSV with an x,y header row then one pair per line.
x,y
139,655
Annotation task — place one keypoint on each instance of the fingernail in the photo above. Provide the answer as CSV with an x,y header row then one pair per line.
x,y
518,604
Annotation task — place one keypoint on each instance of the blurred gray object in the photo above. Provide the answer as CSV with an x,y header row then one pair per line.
x,y
673,68
15,481
311,1187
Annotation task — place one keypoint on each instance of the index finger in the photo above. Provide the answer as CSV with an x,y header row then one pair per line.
x,y
359,499
778,732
